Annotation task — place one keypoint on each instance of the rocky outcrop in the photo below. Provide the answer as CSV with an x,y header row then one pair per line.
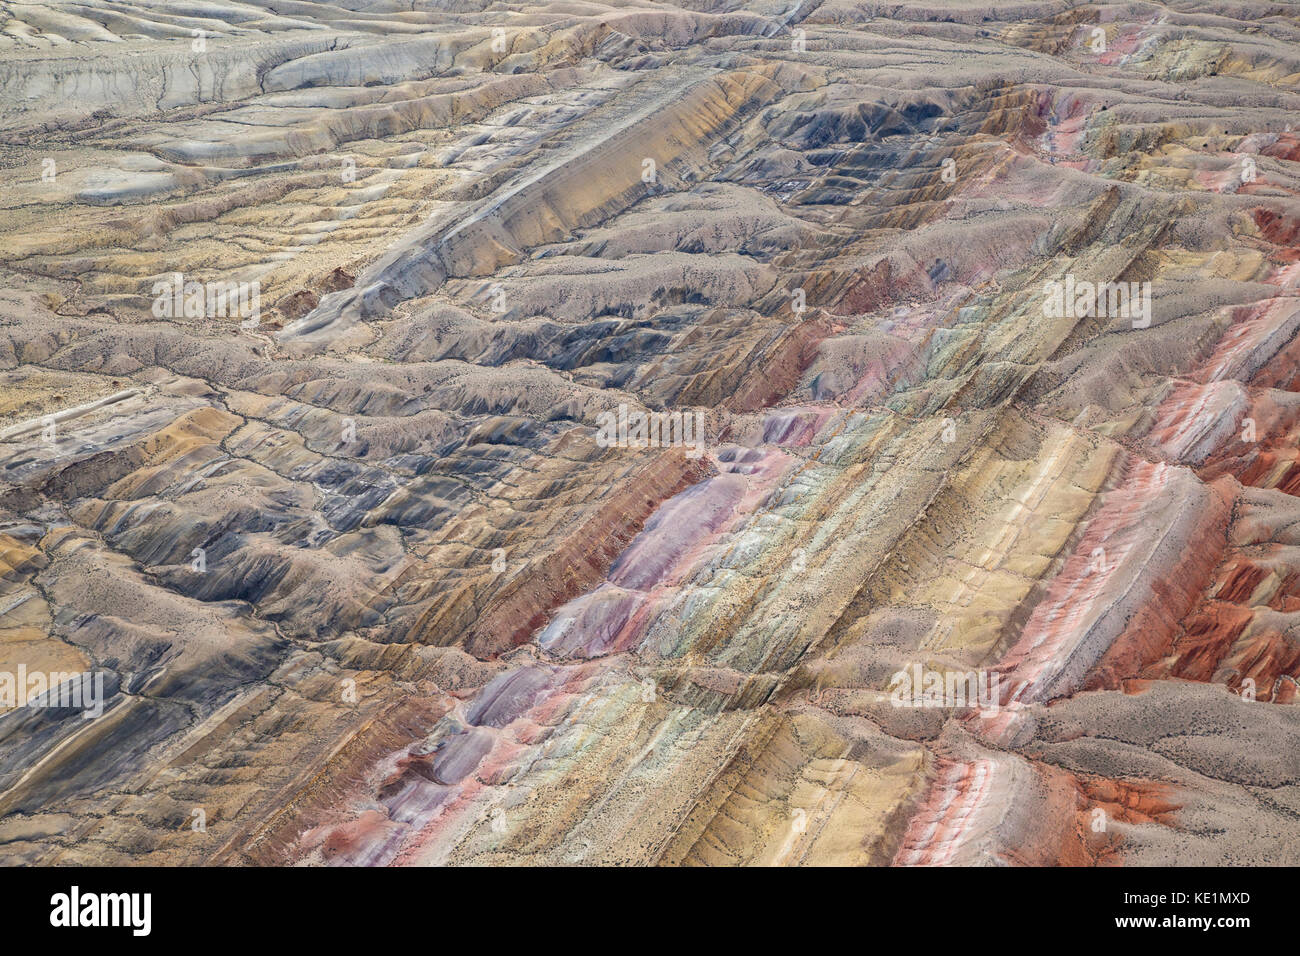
x,y
708,434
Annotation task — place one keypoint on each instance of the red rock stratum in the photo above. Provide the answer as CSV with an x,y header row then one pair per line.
x,y
332,342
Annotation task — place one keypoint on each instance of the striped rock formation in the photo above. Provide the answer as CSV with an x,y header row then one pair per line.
x,y
366,584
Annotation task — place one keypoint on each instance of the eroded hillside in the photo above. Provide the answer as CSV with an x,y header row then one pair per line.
x,y
367,587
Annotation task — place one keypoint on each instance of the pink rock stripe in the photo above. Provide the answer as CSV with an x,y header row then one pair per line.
x,y
944,824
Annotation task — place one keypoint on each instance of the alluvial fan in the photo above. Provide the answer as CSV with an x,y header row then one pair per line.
x,y
713,433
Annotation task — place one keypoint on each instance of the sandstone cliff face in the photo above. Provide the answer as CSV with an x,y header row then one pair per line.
x,y
367,584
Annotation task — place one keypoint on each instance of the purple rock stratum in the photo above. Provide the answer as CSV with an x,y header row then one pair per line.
x,y
699,433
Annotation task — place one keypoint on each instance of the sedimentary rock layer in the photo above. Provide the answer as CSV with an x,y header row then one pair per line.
x,y
328,336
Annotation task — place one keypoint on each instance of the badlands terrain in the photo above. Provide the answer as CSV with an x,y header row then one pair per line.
x,y
366,585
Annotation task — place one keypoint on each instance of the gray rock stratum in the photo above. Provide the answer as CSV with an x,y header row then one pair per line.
x,y
328,329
